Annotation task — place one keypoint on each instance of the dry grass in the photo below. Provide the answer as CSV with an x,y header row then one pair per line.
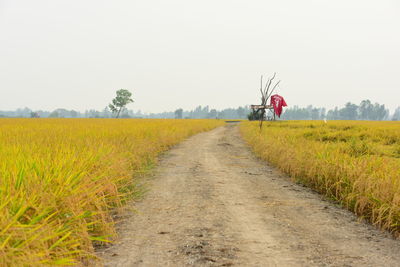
x,y
356,163
60,178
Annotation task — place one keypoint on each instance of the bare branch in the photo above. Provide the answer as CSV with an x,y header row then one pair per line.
x,y
266,92
261,82
267,86
261,90
276,84
273,90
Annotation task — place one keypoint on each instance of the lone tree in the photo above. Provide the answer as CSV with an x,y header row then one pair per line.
x,y
122,99
259,111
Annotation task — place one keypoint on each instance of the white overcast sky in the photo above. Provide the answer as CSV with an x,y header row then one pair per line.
x,y
183,53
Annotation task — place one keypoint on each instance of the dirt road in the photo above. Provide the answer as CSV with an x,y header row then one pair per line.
x,y
211,203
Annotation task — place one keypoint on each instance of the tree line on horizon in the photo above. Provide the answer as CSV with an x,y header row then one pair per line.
x,y
366,110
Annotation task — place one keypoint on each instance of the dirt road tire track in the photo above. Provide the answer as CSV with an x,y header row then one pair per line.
x,y
211,203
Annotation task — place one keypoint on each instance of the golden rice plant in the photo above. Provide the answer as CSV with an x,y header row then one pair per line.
x,y
61,178
356,163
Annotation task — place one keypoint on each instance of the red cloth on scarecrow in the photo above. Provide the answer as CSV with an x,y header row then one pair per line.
x,y
278,102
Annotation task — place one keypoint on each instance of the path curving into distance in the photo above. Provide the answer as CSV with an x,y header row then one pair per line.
x,y
212,203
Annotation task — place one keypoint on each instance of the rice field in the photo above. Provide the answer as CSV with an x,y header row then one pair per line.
x,y
356,163
60,180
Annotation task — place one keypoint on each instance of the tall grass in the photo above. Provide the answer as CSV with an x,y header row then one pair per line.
x,y
60,178
355,163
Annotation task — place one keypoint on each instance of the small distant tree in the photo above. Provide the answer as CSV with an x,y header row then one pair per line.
x,y
315,113
73,114
54,114
213,114
379,112
35,115
349,112
396,115
106,113
254,116
241,112
366,109
179,113
122,99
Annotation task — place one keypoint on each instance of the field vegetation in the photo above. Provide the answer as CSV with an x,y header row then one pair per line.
x,y
60,180
356,163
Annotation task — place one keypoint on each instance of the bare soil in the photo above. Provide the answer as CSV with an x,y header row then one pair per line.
x,y
212,203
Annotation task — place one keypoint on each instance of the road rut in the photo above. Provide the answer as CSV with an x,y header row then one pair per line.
x,y
212,203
